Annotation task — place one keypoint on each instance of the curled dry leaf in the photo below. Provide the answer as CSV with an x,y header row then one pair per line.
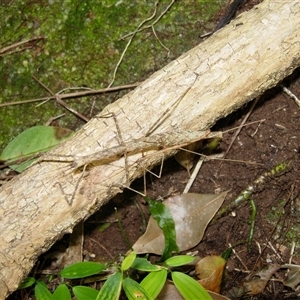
x,y
185,157
254,283
292,279
210,272
191,214
257,282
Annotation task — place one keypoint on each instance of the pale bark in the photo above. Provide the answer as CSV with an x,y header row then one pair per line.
x,y
232,67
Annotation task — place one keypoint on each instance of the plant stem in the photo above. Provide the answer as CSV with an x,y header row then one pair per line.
x,y
245,194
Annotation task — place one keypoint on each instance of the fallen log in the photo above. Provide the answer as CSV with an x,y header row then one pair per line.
x,y
238,63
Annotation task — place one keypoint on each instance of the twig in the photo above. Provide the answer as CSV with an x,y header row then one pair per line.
x,y
129,42
292,252
165,47
193,175
235,253
54,118
75,95
140,28
239,129
252,224
289,93
61,102
25,44
153,15
241,126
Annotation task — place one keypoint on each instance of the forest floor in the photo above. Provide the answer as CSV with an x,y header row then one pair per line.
x,y
269,143
271,139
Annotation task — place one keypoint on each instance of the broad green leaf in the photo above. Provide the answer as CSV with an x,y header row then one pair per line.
x,y
61,293
27,282
128,260
82,269
112,287
41,292
142,264
30,142
165,221
179,260
191,214
154,282
134,291
189,288
169,291
85,293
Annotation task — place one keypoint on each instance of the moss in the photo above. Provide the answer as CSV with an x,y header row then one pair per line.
x,y
81,46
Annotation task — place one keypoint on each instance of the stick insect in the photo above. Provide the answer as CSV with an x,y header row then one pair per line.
x,y
156,144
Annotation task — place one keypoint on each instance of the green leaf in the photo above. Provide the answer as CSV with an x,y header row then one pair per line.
x,y
112,287
82,269
189,288
165,221
30,142
226,253
61,293
134,291
85,293
41,292
179,260
128,260
104,226
142,264
154,282
27,282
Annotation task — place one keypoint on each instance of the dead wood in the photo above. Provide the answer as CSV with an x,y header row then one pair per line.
x,y
238,63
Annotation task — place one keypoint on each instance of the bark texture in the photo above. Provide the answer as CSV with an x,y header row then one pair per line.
x,y
238,63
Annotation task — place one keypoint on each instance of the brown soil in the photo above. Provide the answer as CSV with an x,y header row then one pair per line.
x,y
268,143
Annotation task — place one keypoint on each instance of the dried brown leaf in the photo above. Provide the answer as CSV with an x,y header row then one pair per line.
x,y
185,158
292,279
191,214
260,279
210,272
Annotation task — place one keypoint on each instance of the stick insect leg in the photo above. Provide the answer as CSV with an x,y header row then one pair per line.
x,y
157,176
71,199
121,143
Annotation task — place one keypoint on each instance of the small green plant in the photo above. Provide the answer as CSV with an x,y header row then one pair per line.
x,y
148,288
120,276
